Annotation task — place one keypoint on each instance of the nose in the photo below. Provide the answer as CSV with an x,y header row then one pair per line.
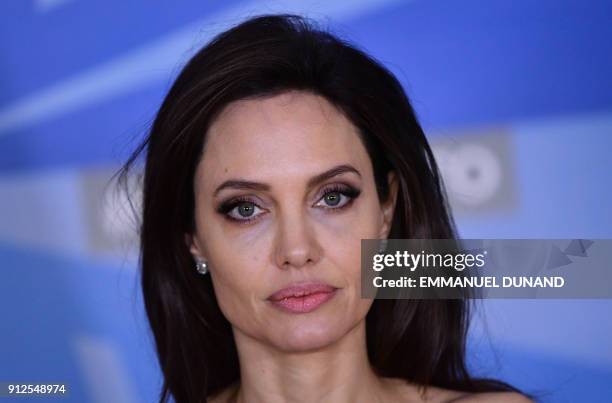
x,y
296,241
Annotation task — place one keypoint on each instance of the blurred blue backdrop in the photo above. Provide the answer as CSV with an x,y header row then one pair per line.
x,y
519,92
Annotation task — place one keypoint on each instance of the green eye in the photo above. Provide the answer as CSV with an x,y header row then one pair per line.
x,y
243,210
246,209
333,198
337,197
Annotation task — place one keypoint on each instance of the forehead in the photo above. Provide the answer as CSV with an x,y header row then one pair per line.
x,y
291,133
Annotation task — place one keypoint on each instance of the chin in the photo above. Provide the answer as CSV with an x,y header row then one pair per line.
x,y
308,334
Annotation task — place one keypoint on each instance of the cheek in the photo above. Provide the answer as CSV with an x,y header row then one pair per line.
x,y
346,257
235,278
237,255
341,236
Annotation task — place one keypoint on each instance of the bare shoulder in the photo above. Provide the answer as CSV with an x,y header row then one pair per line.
x,y
501,397
407,392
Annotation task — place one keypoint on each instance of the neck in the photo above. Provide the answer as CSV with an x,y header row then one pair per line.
x,y
339,372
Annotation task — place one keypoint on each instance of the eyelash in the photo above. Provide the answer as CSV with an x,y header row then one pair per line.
x,y
347,191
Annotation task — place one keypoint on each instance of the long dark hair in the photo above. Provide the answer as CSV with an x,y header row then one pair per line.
x,y
422,341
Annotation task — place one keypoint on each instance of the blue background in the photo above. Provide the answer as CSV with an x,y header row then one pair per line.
x,y
80,81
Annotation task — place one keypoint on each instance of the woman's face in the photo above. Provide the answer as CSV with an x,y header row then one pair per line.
x,y
284,194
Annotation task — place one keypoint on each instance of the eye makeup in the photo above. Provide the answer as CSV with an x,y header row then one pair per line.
x,y
235,203
344,194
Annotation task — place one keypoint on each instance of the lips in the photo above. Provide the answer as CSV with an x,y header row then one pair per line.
x,y
302,298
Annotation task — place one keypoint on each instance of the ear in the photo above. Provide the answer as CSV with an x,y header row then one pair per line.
x,y
388,206
193,246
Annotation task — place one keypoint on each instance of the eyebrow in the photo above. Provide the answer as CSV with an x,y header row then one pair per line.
x,y
250,185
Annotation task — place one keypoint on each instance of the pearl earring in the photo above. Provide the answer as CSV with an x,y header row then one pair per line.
x,y
201,266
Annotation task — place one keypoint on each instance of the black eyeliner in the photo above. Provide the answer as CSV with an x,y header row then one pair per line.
x,y
347,190
227,206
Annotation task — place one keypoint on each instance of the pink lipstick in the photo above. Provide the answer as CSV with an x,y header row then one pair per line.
x,y
303,297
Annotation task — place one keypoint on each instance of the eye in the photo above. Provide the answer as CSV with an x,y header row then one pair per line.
x,y
336,197
333,199
241,210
